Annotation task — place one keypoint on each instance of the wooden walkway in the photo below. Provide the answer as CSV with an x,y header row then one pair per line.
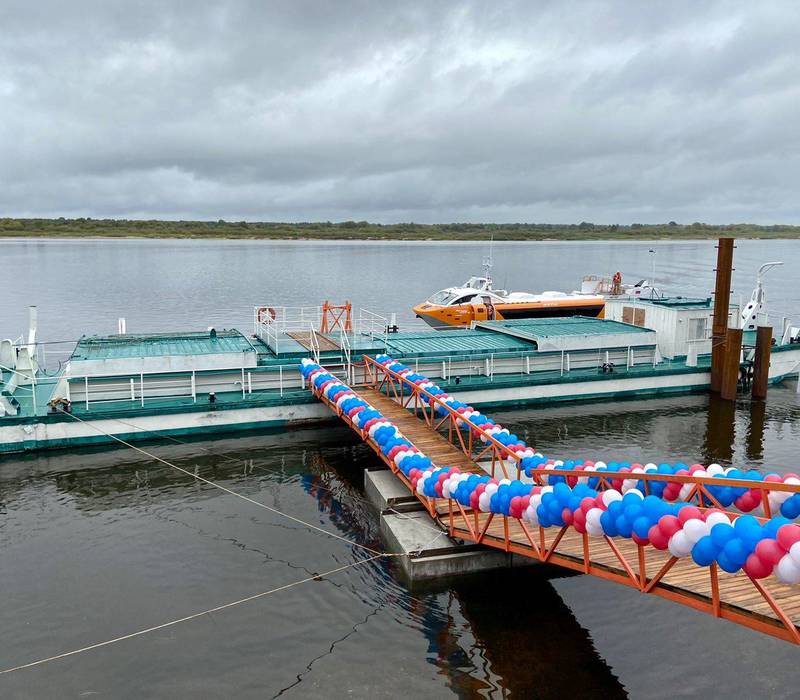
x,y
765,605
304,338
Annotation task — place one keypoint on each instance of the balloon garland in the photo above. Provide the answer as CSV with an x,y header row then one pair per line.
x,y
745,499
708,536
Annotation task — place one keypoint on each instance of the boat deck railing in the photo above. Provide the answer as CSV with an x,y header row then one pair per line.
x,y
484,366
157,388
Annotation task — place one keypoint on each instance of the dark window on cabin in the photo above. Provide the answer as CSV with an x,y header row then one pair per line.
x,y
553,312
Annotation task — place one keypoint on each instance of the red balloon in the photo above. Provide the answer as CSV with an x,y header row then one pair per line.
x,y
770,552
755,568
788,535
774,478
689,513
579,521
671,492
747,501
708,512
526,501
566,516
473,500
669,525
639,540
657,538
587,504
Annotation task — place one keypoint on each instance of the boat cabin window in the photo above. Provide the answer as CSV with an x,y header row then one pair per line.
x,y
480,283
442,297
465,299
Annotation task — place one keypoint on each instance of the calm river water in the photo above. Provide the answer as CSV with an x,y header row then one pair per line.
x,y
99,543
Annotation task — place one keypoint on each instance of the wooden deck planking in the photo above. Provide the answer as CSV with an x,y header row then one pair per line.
x,y
304,338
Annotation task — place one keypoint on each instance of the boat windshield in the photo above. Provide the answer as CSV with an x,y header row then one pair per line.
x,y
443,297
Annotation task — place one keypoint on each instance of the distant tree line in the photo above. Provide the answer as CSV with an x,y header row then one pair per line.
x,y
84,227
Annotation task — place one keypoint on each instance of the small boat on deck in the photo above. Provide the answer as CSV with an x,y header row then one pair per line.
x,y
476,300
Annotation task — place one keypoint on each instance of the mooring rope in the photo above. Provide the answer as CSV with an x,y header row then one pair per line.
x,y
316,577
225,488
165,436
193,616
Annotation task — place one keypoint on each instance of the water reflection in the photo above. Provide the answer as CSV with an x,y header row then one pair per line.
x,y
720,434
754,438
503,634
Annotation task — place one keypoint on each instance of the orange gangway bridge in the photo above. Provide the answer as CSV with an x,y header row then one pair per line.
x,y
446,437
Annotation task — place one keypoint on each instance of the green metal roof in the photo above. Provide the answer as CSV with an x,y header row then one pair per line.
x,y
680,302
559,327
463,342
128,346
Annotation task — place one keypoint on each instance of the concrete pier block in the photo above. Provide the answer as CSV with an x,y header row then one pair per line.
x,y
385,490
429,553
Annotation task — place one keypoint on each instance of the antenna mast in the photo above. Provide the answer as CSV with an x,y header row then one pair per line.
x,y
488,263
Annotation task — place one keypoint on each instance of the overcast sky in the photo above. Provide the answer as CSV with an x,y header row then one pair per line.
x,y
400,111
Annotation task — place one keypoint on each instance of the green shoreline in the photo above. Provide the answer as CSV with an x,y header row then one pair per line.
x,y
362,230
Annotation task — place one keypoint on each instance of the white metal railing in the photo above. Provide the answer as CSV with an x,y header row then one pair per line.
x,y
563,362
372,325
91,389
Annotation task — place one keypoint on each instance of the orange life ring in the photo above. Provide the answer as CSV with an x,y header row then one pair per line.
x,y
262,313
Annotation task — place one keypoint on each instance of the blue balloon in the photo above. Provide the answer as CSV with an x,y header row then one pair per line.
x,y
641,526
721,533
609,524
705,551
736,553
726,565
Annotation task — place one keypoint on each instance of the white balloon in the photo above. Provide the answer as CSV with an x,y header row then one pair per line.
x,y
686,489
636,492
483,502
610,496
679,544
714,470
490,489
598,465
717,519
593,516
787,571
594,529
794,553
695,529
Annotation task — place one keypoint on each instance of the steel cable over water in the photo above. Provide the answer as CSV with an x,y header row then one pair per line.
x,y
193,616
237,460
316,577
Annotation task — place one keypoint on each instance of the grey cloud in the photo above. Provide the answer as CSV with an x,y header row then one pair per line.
x,y
547,111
